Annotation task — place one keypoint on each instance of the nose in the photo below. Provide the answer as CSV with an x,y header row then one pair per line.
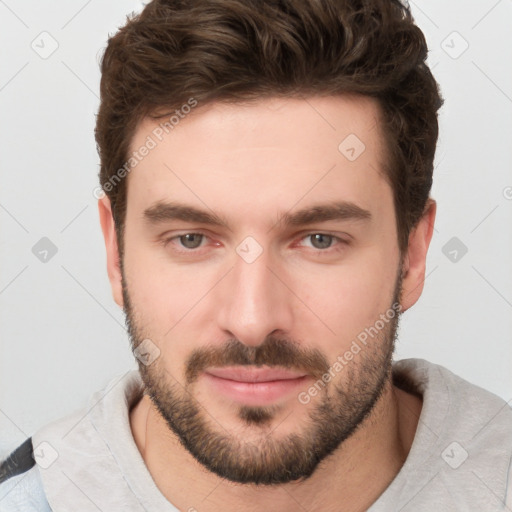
x,y
255,301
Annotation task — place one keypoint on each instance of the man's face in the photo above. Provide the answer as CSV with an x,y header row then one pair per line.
x,y
268,294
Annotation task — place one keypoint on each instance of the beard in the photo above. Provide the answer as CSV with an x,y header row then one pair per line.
x,y
255,455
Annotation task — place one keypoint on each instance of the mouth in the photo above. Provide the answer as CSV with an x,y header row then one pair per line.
x,y
255,386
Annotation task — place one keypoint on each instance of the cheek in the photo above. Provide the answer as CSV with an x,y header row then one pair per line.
x,y
164,312
164,298
170,303
158,292
348,298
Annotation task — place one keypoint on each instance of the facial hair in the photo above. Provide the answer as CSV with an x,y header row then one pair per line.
x,y
335,413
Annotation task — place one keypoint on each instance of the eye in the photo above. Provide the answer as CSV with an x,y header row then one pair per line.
x,y
323,241
191,240
188,241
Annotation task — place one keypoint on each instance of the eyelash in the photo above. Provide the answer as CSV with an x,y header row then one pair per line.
x,y
196,251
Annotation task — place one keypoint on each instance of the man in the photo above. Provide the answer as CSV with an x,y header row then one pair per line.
x,y
267,169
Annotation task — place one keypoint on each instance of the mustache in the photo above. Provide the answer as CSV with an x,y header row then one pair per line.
x,y
272,352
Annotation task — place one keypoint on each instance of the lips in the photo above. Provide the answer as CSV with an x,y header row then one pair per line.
x,y
254,386
255,374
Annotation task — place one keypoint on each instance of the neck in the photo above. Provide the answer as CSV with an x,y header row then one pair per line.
x,y
349,480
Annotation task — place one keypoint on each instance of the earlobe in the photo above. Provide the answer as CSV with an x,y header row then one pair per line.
x,y
414,263
112,249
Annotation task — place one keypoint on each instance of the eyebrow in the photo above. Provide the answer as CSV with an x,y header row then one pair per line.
x,y
339,210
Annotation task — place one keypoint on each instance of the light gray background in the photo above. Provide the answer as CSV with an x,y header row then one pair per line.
x,y
63,337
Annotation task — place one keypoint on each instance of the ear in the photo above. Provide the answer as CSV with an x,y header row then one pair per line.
x,y
113,261
414,264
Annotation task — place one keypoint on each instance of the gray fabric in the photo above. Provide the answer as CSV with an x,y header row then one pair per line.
x,y
99,466
460,458
458,419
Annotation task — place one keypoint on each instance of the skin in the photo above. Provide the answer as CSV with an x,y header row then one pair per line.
x,y
251,163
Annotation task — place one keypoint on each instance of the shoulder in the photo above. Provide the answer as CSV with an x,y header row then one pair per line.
x,y
455,407
445,391
36,476
464,437
21,488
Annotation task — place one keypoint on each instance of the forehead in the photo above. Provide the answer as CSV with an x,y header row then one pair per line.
x,y
282,151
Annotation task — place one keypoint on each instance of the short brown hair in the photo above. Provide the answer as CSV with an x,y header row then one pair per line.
x,y
238,50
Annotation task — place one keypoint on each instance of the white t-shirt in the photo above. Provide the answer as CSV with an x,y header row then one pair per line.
x,y
460,459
